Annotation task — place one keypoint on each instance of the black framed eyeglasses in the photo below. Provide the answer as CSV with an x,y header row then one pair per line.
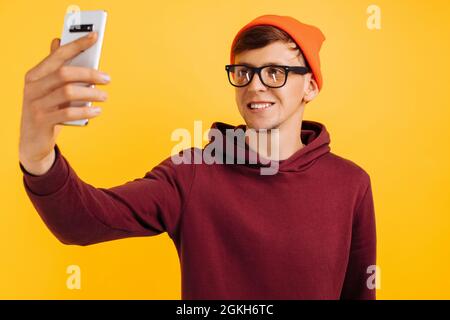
x,y
272,76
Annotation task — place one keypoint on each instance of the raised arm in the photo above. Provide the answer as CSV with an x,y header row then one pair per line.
x,y
78,213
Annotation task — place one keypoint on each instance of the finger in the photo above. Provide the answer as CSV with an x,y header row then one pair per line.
x,y
69,93
54,45
63,105
73,113
63,76
61,54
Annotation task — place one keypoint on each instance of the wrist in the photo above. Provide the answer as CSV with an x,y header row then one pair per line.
x,y
41,167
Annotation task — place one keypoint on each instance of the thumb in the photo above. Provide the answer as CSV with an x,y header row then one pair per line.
x,y
54,45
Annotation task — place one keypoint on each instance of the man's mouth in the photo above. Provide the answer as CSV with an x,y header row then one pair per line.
x,y
259,106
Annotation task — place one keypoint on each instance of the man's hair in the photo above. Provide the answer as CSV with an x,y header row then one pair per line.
x,y
261,36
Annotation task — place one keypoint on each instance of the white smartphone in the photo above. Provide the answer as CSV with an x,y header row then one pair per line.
x,y
76,25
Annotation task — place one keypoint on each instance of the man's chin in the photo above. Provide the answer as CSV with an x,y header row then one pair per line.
x,y
261,126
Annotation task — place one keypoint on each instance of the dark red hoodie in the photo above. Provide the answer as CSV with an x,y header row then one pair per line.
x,y
307,232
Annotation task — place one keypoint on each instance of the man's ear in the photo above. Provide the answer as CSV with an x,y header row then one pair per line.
x,y
311,89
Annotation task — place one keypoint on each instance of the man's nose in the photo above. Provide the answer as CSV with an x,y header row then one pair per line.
x,y
256,84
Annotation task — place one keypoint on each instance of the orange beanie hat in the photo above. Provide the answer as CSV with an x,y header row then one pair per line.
x,y
309,38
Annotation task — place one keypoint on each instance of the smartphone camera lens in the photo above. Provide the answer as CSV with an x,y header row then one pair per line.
x,y
81,28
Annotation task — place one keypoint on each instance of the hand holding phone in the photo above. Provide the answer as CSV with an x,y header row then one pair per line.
x,y
49,89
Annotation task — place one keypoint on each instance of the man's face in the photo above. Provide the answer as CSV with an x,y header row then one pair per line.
x,y
288,100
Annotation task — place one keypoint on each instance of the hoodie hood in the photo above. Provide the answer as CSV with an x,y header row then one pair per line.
x,y
314,136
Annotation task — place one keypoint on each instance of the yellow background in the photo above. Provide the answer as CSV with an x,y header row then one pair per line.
x,y
385,102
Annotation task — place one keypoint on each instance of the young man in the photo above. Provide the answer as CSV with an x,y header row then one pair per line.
x,y
305,232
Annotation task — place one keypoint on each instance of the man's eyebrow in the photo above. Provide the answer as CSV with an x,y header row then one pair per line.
x,y
265,64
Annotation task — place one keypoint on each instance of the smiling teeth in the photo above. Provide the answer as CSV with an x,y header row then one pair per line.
x,y
260,105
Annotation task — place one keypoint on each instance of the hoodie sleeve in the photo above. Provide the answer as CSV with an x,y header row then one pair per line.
x,y
359,280
79,214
